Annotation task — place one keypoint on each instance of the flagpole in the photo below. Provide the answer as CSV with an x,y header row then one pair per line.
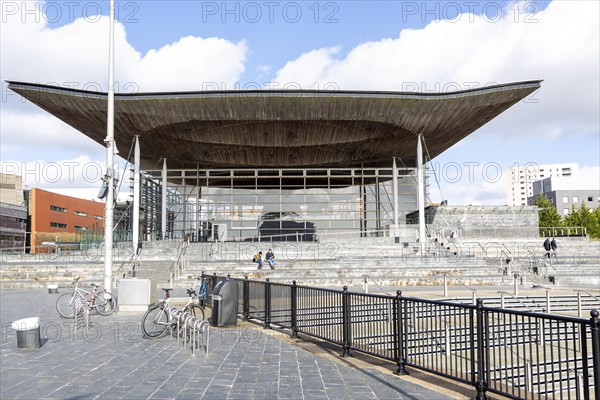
x,y
110,156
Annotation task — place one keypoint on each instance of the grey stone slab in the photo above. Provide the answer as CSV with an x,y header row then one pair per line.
x,y
120,364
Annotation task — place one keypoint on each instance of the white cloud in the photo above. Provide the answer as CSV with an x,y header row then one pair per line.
x,y
75,55
42,129
559,44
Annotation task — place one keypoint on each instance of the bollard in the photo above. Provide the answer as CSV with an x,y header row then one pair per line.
x,y
28,333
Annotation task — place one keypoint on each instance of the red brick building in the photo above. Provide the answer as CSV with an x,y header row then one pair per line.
x,y
58,218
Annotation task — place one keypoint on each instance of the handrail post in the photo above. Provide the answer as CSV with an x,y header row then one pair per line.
x,y
595,328
246,312
445,284
345,322
294,299
267,304
399,340
480,384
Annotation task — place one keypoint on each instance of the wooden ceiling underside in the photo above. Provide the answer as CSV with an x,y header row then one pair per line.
x,y
278,130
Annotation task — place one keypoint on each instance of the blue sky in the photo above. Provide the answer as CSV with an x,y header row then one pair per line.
x,y
378,45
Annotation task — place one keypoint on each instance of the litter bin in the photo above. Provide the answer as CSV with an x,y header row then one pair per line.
x,y
52,288
224,303
28,333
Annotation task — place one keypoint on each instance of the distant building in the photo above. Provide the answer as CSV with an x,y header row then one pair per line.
x,y
63,219
13,213
564,193
520,179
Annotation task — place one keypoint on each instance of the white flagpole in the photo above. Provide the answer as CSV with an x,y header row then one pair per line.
x,y
110,156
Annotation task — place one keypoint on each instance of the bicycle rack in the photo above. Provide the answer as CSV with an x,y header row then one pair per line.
x,y
197,328
81,308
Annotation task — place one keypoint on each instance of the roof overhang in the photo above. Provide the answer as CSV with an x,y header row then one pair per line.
x,y
279,128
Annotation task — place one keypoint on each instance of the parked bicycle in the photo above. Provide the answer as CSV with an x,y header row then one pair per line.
x,y
162,316
101,301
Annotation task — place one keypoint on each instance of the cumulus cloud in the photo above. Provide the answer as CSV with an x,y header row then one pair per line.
x,y
558,44
75,55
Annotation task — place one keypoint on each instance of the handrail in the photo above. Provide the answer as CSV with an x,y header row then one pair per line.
x,y
485,254
181,250
517,299
131,257
588,293
551,230
366,277
418,325
460,281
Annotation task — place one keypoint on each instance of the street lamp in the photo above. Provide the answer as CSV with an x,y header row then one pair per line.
x,y
110,156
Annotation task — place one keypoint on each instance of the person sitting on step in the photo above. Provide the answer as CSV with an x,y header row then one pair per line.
x,y
270,257
257,258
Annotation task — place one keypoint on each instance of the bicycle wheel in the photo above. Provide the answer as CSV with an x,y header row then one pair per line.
x,y
105,303
154,322
64,305
197,311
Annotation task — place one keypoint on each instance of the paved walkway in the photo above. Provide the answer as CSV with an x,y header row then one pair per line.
x,y
114,361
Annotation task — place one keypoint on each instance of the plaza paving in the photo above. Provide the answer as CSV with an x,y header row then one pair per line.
x,y
112,360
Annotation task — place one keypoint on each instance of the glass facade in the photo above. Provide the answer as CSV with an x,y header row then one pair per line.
x,y
278,205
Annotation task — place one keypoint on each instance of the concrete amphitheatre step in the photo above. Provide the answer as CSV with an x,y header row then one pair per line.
x,y
328,263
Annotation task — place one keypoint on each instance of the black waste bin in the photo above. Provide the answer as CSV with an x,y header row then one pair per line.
x,y
28,333
224,303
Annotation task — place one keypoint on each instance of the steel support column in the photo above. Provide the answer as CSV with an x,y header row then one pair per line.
x,y
163,204
136,195
421,194
395,195
110,156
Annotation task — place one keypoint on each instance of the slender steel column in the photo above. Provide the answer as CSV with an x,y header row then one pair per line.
x,y
395,195
163,205
110,156
421,194
136,194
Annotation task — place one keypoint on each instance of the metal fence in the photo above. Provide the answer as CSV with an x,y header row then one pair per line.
x,y
521,355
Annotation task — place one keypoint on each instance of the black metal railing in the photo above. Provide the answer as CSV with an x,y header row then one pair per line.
x,y
521,355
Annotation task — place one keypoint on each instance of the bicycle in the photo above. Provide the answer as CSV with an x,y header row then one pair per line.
x,y
162,316
101,301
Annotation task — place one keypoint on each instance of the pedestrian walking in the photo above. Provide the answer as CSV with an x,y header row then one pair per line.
x,y
547,247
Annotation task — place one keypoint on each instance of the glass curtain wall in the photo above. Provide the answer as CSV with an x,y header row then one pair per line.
x,y
277,205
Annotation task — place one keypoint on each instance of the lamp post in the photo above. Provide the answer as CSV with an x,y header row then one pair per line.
x,y
110,156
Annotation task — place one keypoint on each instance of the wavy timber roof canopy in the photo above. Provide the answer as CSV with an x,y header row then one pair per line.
x,y
279,129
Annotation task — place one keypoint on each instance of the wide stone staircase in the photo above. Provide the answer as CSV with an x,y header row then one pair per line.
x,y
380,261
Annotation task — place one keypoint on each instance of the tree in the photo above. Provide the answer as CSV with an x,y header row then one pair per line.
x,y
547,214
596,216
584,217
